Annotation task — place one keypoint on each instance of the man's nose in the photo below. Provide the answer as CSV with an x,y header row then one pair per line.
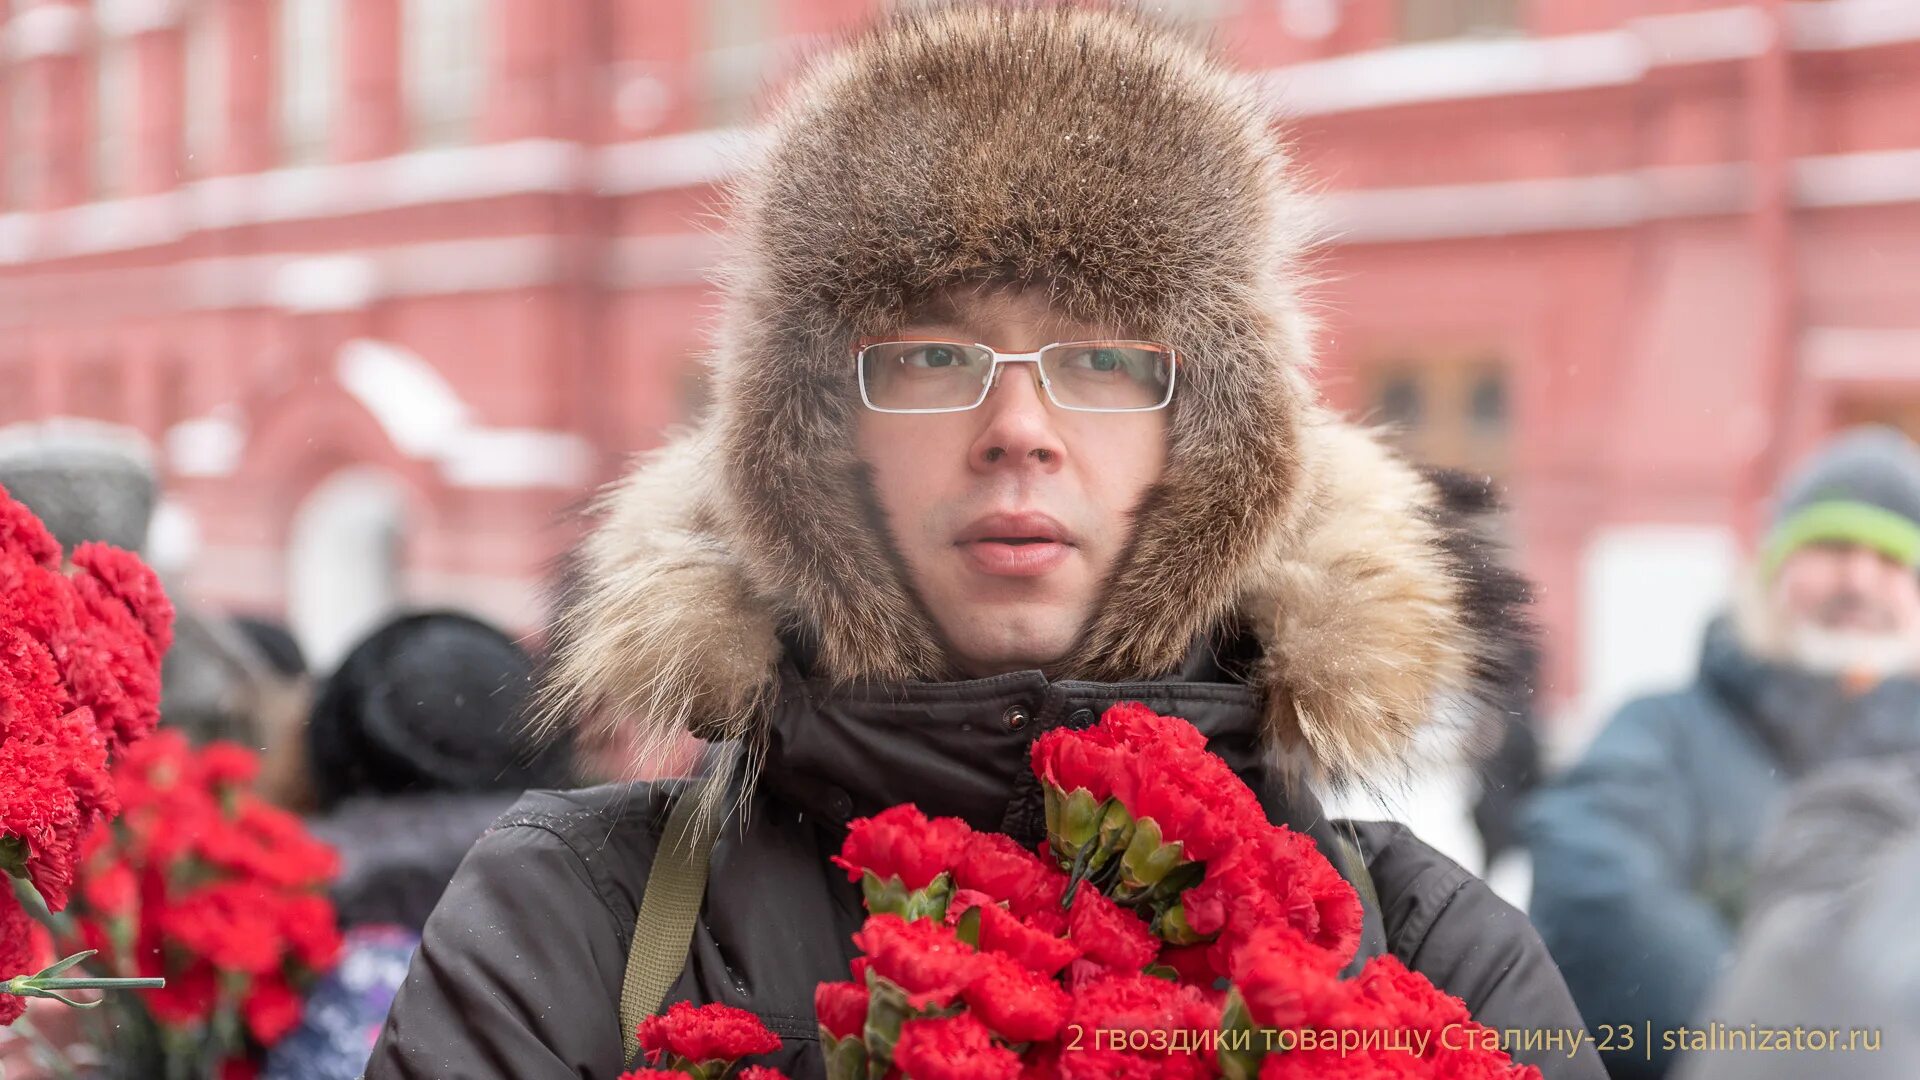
x,y
1019,423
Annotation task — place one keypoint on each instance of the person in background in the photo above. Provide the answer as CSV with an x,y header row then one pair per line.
x,y
1826,943
283,776
87,481
411,751
1643,850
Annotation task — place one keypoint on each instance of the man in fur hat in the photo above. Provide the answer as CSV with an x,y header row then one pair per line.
x,y
1013,423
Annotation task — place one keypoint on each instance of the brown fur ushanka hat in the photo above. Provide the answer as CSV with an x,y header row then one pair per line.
x,y
1120,167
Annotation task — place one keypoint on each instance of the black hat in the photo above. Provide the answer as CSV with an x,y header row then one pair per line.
x,y
428,702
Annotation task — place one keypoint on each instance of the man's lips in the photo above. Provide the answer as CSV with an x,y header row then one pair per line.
x,y
1026,526
1002,559
1015,544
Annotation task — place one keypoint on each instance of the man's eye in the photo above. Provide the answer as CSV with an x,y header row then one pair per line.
x,y
1101,360
934,357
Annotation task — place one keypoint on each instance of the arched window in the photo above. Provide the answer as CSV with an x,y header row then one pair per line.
x,y
445,68
346,560
309,73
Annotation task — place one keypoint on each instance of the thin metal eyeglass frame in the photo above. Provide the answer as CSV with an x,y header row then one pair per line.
x,y
993,373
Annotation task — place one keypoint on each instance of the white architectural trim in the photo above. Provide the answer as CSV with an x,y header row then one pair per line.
x,y
1868,178
640,262
1469,68
1824,25
670,162
46,30
497,458
124,18
1848,353
1510,207
1455,70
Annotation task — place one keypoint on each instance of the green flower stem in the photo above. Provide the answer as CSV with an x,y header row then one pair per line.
x,y
50,982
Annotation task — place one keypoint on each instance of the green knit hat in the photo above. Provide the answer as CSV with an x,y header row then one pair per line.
x,y
1861,488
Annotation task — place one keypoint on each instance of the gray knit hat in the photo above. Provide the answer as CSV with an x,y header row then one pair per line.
x,y
1863,487
86,480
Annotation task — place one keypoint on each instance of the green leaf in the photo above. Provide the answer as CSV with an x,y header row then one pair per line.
x,y
1244,1043
13,856
54,969
968,928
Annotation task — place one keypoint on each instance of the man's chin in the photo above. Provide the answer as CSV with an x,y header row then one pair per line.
x,y
995,646
1834,651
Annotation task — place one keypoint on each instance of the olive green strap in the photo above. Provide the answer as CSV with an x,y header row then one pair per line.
x,y
668,909
1358,874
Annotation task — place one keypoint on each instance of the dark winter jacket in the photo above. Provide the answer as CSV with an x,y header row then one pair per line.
x,y
741,583
1643,850
519,974
397,852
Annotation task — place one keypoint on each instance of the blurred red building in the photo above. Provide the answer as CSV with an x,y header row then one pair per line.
x,y
393,283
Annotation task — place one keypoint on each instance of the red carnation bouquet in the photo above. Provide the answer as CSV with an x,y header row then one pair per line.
x,y
80,648
704,1042
201,882
1165,929
153,859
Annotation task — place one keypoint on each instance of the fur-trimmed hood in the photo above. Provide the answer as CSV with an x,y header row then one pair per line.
x,y
1125,170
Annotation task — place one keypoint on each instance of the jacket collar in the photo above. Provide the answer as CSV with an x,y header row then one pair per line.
x,y
1804,717
835,752
839,751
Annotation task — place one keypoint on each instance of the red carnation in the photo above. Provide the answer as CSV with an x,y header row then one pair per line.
x,y
226,763
1108,934
307,922
1278,875
998,866
232,923
705,1033
1133,726
188,998
18,956
1127,1002
901,841
1019,1004
1286,981
22,534
1195,799
57,785
109,889
921,957
1068,761
1200,965
271,1009
1003,932
952,1048
122,576
841,1008
759,1072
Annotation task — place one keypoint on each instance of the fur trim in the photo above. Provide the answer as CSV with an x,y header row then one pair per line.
x,y
1126,171
1387,601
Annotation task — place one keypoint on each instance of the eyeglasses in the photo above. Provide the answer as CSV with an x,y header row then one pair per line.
x,y
951,376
